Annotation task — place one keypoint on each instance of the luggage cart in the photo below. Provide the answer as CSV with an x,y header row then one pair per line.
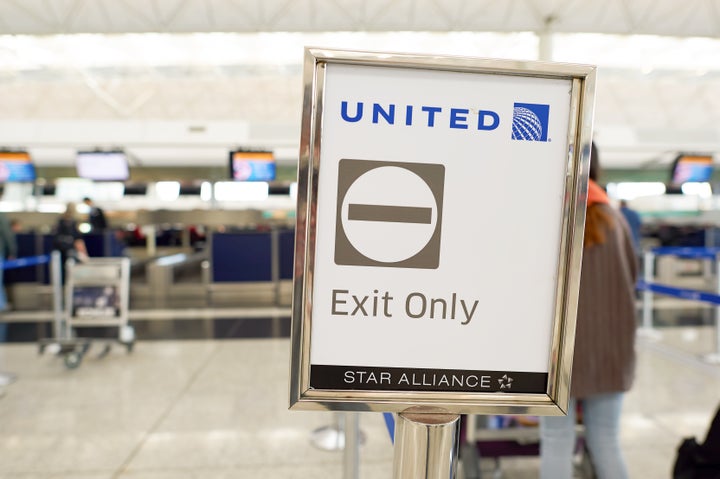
x,y
96,294
495,437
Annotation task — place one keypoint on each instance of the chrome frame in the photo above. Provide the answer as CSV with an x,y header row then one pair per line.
x,y
579,135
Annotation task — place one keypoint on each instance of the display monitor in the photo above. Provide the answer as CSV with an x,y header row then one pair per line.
x,y
252,165
16,167
692,169
102,165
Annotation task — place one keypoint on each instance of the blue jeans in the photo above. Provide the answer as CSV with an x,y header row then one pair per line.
x,y
601,416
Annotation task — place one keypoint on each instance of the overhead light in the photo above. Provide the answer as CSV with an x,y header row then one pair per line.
x,y
241,191
206,191
167,190
278,50
703,190
632,190
51,207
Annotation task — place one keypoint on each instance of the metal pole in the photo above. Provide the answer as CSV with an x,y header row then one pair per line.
x,y
330,438
275,277
468,449
59,331
275,264
648,273
647,299
150,240
426,444
715,356
351,456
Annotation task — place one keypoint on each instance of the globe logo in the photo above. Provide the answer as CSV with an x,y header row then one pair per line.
x,y
526,125
530,122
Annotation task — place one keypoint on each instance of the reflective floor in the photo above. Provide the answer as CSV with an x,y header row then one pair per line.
x,y
216,409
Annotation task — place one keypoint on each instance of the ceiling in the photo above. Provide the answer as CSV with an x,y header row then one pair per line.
x,y
655,17
182,80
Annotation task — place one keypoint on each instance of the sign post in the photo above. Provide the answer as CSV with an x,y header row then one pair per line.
x,y
441,203
426,444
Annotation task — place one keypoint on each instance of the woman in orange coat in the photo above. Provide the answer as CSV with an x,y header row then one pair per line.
x,y
604,359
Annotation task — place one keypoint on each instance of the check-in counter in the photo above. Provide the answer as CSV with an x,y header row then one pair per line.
x,y
176,280
237,269
251,267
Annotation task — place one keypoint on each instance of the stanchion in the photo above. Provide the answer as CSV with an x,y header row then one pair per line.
x,y
60,330
646,330
469,466
332,437
715,357
693,295
426,444
351,456
329,438
276,327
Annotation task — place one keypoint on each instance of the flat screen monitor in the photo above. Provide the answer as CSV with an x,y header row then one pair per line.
x,y
102,165
692,169
16,167
252,165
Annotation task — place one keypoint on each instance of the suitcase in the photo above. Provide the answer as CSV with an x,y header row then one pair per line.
x,y
700,461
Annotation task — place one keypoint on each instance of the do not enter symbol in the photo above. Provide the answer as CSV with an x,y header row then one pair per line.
x,y
389,214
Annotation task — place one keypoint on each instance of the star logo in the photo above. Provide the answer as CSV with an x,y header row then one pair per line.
x,y
505,382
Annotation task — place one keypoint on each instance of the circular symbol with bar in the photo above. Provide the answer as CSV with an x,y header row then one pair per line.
x,y
389,214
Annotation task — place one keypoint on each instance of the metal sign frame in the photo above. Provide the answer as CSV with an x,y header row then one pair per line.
x,y
555,400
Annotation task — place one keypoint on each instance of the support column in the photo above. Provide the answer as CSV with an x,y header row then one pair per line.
x,y
545,44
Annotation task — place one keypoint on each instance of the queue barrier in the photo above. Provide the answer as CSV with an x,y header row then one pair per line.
x,y
649,287
682,293
32,244
24,262
18,264
687,252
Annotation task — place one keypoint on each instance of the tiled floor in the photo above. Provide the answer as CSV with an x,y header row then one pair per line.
x,y
218,410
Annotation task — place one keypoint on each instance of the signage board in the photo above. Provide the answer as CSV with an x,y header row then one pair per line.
x,y
96,301
440,210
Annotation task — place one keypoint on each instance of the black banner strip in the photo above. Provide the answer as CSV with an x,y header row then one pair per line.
x,y
361,378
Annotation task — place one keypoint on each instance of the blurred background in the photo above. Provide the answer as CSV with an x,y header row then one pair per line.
x,y
180,119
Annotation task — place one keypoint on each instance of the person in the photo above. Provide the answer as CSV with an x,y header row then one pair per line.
x,y
8,250
96,217
634,222
68,239
604,358
16,225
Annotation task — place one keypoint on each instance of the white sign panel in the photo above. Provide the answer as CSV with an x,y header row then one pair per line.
x,y
440,232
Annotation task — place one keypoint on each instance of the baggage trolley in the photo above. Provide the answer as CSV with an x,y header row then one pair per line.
x,y
96,294
495,437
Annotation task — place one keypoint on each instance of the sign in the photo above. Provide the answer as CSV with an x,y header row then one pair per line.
x,y
378,198
96,301
437,254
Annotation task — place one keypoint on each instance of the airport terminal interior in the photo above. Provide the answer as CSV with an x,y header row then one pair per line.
x,y
181,121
